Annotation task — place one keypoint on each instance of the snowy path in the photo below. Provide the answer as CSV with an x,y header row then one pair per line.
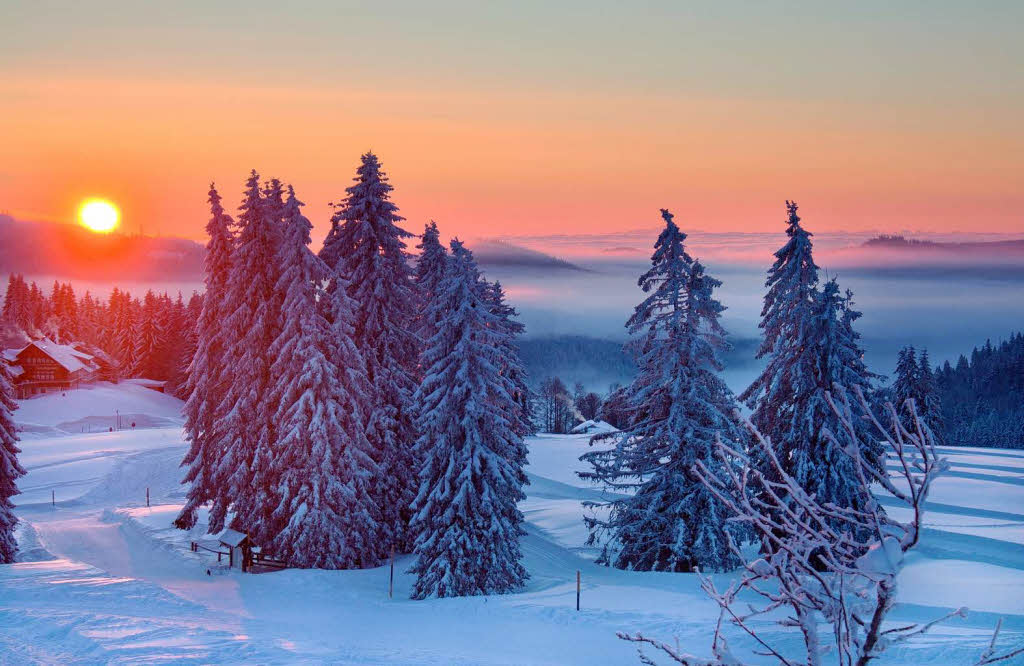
x,y
119,585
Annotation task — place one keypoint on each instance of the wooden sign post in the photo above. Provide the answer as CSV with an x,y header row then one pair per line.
x,y
391,582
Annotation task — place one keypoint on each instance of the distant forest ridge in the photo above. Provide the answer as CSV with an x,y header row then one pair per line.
x,y
898,242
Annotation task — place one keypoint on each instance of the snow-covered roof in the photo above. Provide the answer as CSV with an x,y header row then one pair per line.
x,y
16,370
11,355
149,383
66,356
232,538
593,425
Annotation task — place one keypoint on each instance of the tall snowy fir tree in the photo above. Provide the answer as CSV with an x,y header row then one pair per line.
x,y
811,348
512,366
10,469
146,357
209,375
466,521
366,249
430,267
668,520
786,321
245,471
906,383
125,323
327,515
928,405
818,463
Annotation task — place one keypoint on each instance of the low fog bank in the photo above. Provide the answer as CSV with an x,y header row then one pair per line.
x,y
947,314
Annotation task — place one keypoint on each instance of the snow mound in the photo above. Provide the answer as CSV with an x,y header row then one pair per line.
x,y
593,427
95,408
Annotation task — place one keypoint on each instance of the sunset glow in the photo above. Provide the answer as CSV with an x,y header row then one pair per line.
x,y
98,215
898,124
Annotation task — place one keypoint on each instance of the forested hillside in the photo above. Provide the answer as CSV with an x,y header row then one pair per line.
x,y
982,396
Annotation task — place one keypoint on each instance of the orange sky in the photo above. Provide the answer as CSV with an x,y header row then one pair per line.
x,y
884,144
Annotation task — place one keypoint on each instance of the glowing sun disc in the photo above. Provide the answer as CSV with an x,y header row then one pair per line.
x,y
98,215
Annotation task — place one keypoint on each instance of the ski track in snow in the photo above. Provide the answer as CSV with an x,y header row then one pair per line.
x,y
107,580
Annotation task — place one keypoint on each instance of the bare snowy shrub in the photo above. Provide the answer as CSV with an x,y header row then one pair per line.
x,y
831,572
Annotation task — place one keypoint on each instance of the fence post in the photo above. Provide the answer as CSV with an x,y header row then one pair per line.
x,y
577,589
391,581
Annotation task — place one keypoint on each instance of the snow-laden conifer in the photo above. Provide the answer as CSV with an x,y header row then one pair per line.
x,y
366,249
786,320
149,334
325,515
10,469
430,267
815,456
245,419
906,383
669,521
466,521
511,366
928,404
209,376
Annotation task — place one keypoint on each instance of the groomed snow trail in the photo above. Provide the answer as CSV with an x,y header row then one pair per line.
x,y
111,581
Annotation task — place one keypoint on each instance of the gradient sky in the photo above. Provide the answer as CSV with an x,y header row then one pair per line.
x,y
522,117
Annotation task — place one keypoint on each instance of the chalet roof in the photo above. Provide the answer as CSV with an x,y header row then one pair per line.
x,y
232,538
66,356
593,424
149,383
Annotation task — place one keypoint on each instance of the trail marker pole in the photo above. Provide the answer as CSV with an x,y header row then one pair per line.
x,y
53,498
391,581
147,497
577,589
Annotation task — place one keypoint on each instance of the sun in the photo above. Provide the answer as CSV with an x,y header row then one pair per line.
x,y
98,215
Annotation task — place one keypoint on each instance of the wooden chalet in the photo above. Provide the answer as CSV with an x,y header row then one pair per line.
x,y
43,366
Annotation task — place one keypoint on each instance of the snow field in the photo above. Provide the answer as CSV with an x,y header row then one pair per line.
x,y
112,582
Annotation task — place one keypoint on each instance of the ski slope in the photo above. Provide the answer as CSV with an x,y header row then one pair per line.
x,y
107,580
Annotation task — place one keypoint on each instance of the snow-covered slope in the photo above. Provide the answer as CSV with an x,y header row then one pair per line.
x,y
111,581
96,408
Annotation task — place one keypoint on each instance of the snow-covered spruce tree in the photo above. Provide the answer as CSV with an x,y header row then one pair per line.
x,y
835,572
670,522
366,249
208,374
466,520
244,418
786,319
512,366
147,353
811,347
125,321
327,514
905,384
816,461
10,470
927,398
430,266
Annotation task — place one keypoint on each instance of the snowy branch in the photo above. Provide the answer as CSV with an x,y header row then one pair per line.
x,y
834,569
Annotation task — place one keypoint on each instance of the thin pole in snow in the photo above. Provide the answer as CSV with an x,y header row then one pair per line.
x,y
391,582
577,589
147,497
53,497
